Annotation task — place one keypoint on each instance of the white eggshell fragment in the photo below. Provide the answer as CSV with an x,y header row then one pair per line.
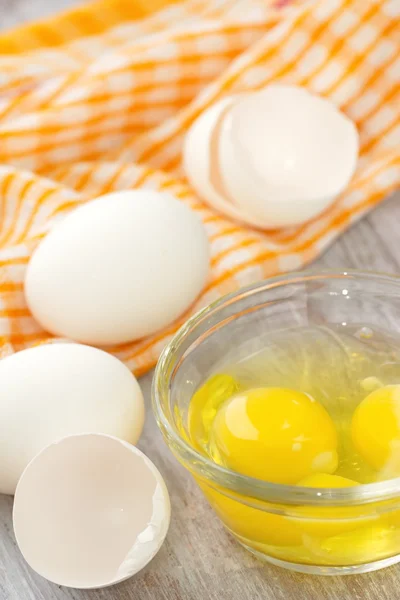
x,y
294,152
118,268
283,156
201,154
90,511
54,390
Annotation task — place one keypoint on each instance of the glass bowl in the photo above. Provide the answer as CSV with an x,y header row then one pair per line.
x,y
326,531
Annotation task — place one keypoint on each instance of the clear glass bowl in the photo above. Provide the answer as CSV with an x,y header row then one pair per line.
x,y
312,530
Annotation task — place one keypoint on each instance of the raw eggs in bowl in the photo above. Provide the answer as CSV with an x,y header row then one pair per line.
x,y
283,401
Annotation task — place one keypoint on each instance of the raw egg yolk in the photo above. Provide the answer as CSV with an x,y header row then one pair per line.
x,y
274,434
258,525
360,546
323,480
375,430
326,521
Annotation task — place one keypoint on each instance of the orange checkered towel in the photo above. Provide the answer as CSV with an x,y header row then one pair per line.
x,y
99,99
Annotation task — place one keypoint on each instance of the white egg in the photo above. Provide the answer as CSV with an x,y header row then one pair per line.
x,y
118,268
90,511
282,156
55,390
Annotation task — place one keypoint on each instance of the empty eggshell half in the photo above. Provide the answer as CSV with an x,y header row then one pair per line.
x,y
90,511
283,155
118,268
291,154
54,390
201,157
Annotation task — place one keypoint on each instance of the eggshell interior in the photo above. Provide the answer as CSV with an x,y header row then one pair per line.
x,y
90,511
60,389
119,268
289,147
272,158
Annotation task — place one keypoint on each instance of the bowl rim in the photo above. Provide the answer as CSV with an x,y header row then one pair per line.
x,y
229,480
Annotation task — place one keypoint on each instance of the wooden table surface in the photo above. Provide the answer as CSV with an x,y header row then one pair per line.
x,y
199,561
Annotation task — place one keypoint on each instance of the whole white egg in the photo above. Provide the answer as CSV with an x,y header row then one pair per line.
x,y
118,268
54,390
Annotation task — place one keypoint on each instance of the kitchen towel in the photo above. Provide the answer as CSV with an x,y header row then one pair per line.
x,y
99,99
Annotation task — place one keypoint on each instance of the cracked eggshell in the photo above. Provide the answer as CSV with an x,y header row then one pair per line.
x,y
118,268
90,511
54,390
273,158
201,156
286,154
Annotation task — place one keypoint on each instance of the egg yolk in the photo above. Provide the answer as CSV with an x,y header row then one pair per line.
x,y
255,525
360,546
375,430
324,521
275,434
323,480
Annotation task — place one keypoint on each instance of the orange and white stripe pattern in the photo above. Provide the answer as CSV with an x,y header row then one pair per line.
x,y
99,99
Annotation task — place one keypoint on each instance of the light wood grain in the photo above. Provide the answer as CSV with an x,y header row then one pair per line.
x,y
199,561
